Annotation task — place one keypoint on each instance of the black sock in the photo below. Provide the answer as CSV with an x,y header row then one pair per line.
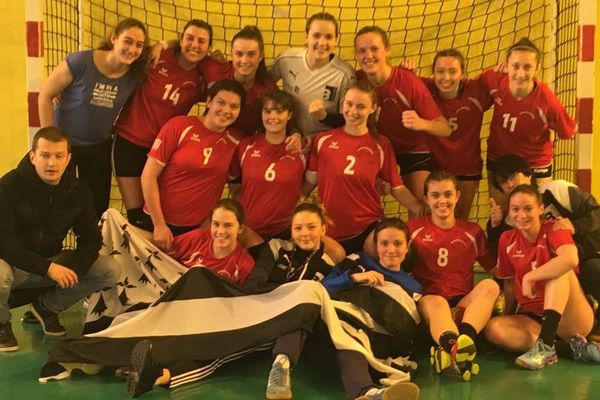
x,y
549,326
465,328
447,340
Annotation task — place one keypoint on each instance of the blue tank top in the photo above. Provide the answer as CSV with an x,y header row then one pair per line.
x,y
90,104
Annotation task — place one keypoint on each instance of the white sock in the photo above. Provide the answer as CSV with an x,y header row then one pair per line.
x,y
283,360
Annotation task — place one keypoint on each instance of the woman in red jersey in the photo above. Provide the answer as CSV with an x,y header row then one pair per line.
x,y
169,89
538,263
462,102
407,113
346,163
447,249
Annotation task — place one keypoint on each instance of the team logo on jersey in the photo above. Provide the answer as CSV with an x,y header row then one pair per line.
x,y
195,137
464,108
334,145
498,101
255,153
428,238
365,148
518,254
163,71
462,242
330,93
528,113
294,74
186,84
156,144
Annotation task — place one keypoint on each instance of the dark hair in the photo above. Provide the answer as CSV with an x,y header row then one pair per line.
x,y
366,87
526,189
280,98
230,205
228,85
251,32
198,23
313,209
322,16
393,222
374,29
450,53
524,44
51,134
439,175
138,67
506,166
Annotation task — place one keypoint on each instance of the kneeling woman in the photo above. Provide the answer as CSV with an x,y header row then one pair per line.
x,y
538,264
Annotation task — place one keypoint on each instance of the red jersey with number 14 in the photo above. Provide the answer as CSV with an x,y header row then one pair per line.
x,y
195,249
403,91
522,127
168,90
460,154
347,167
271,184
517,256
446,256
196,162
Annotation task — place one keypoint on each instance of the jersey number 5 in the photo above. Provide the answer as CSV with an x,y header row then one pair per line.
x,y
349,170
170,94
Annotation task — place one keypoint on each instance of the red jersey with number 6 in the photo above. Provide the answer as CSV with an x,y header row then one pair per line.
x,y
271,184
446,256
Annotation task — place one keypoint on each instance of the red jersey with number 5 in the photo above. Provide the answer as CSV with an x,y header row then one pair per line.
x,y
196,163
403,91
446,256
517,256
347,167
168,90
271,184
522,127
460,154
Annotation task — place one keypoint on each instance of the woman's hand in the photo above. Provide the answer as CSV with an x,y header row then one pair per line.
x,y
370,278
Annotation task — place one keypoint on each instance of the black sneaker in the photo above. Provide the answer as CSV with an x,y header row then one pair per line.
x,y
8,341
49,320
144,370
53,371
122,372
29,319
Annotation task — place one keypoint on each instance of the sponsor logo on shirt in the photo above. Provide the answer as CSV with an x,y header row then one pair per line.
x,y
518,254
334,145
104,95
195,137
428,238
255,153
498,101
163,71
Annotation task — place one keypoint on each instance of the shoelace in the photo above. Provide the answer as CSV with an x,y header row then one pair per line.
x,y
278,377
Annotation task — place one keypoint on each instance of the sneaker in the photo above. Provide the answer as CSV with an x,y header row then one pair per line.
x,y
144,370
463,350
49,320
29,319
8,341
53,371
279,385
398,391
538,356
122,372
584,350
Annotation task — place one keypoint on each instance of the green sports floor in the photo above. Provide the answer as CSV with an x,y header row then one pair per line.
x,y
315,378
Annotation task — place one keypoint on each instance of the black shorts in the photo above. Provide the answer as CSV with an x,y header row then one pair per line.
x,y
469,178
145,223
537,318
128,158
356,243
413,162
539,172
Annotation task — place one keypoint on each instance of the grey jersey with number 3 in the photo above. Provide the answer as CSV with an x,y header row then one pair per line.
x,y
328,83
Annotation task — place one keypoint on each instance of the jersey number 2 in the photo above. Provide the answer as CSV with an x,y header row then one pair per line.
x,y
349,170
